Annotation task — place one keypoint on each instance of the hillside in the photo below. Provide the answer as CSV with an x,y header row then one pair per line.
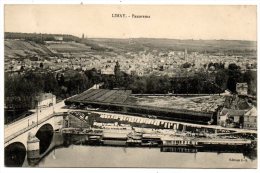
x,y
213,46
23,48
20,45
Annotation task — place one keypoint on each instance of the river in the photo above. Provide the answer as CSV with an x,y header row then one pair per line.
x,y
79,155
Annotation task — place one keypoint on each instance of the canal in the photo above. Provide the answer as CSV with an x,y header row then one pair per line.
x,y
78,154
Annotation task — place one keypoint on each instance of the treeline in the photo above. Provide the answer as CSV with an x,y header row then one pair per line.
x,y
39,38
164,84
21,90
215,81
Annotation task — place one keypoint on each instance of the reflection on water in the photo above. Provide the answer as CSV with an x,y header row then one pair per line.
x,y
81,155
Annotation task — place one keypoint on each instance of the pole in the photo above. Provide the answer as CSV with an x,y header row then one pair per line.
x,y
52,104
37,112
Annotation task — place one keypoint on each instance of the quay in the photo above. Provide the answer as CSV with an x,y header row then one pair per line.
x,y
118,137
167,124
139,129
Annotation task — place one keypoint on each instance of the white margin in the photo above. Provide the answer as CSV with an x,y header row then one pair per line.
x,y
113,170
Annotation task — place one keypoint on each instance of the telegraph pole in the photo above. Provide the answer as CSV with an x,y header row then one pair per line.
x,y
52,103
37,111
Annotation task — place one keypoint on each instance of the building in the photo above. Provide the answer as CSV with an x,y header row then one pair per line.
x,y
108,71
46,100
250,119
120,100
230,117
242,88
58,38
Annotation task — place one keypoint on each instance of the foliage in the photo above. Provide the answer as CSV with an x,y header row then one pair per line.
x,y
21,89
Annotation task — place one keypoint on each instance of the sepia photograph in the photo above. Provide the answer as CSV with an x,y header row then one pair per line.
x,y
130,86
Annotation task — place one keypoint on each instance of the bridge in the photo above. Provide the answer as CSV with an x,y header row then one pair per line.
x,y
38,126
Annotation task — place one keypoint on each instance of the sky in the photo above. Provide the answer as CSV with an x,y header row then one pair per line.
x,y
230,22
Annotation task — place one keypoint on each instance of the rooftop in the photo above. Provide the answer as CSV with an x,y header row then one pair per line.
x,y
233,112
251,112
116,96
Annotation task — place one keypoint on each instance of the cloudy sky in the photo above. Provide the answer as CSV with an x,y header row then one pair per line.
x,y
179,21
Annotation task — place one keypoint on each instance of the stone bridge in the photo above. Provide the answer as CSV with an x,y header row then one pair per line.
x,y
32,134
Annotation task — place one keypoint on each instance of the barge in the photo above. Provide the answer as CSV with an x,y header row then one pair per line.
x,y
116,137
175,141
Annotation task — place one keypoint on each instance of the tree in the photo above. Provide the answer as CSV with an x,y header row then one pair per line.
x,y
51,84
139,86
186,65
93,75
117,69
235,76
118,75
221,79
250,77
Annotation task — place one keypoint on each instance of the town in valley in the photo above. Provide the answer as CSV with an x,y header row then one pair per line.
x,y
180,96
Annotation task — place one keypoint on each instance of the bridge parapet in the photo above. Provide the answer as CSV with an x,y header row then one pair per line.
x,y
15,134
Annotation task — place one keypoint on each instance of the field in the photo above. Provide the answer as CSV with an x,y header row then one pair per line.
x,y
17,48
69,47
20,48
137,44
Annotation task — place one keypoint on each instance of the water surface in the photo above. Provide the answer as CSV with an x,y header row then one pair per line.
x,y
107,156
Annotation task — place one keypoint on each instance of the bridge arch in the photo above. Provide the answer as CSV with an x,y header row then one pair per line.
x,y
15,154
45,135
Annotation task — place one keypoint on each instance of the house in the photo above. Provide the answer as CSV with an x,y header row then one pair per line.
x,y
222,117
250,119
230,117
242,88
107,71
97,86
58,38
227,92
46,100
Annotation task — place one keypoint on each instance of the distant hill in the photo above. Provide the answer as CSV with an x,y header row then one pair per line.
x,y
23,48
38,37
210,46
19,45
30,45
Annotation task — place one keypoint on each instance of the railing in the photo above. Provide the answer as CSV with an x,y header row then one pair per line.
x,y
172,94
14,135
